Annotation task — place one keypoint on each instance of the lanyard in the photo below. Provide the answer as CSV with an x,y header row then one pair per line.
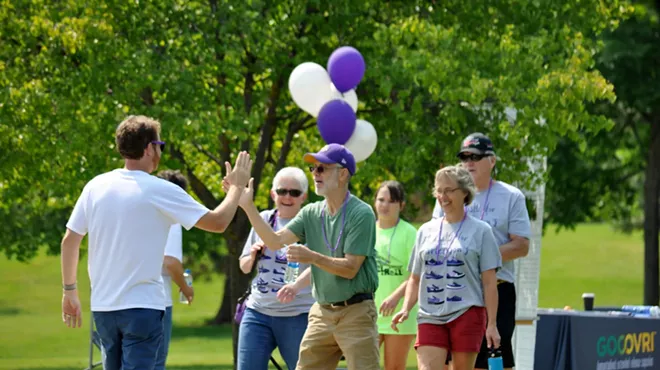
x,y
343,224
442,223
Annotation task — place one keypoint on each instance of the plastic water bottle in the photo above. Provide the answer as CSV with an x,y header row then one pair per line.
x,y
648,311
292,271
187,275
495,360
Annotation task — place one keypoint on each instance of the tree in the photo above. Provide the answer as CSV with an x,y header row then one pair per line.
x,y
614,186
215,74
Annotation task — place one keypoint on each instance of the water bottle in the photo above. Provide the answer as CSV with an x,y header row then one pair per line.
x,y
495,360
648,311
292,271
187,275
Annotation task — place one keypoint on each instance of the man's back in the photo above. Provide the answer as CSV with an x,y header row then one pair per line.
x,y
128,215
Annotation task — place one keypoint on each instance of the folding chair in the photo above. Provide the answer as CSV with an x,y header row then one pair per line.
x,y
94,340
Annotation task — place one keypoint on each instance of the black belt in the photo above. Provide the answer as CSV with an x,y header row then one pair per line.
x,y
360,297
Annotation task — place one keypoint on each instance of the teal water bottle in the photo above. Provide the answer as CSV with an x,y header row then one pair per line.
x,y
495,360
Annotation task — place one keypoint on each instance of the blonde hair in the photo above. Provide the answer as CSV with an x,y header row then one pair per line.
x,y
462,177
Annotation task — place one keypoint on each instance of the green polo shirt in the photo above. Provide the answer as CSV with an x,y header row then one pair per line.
x,y
358,238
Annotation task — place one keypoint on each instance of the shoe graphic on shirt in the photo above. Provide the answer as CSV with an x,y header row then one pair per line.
x,y
455,286
280,258
266,257
455,275
275,290
455,262
434,300
278,280
278,272
455,299
263,270
434,289
432,275
433,262
261,282
262,289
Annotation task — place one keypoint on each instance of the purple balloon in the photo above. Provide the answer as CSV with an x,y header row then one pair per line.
x,y
346,68
336,122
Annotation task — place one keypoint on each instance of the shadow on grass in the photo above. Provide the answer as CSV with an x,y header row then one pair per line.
x,y
215,332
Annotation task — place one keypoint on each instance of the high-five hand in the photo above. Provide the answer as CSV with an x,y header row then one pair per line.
x,y
240,174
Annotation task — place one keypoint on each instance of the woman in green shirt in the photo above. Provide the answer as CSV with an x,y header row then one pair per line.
x,y
395,239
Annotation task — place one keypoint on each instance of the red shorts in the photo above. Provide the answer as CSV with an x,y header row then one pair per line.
x,y
463,334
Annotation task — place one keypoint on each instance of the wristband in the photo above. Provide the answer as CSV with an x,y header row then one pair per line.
x,y
69,286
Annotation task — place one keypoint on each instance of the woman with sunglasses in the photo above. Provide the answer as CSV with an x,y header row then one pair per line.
x,y
276,313
395,239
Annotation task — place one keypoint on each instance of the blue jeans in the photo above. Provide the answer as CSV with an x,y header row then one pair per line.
x,y
129,338
259,334
165,344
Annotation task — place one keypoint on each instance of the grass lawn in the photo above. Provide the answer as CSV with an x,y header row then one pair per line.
x,y
594,258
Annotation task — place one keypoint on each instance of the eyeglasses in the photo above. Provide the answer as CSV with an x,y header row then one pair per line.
x,y
471,157
321,169
161,143
294,192
444,192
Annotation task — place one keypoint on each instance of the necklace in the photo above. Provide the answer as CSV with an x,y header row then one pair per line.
x,y
442,223
343,224
483,210
389,244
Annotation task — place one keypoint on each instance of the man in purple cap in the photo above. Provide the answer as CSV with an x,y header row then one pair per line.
x,y
340,234
503,207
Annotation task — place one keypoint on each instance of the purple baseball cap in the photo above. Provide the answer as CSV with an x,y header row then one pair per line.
x,y
333,154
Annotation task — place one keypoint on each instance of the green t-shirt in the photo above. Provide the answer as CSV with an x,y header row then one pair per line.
x,y
358,238
394,247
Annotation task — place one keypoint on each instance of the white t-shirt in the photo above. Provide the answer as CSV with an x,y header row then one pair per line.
x,y
173,248
128,215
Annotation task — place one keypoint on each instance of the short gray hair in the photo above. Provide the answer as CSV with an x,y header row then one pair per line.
x,y
462,177
291,173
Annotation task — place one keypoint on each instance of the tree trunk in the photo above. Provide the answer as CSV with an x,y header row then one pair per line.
x,y
652,217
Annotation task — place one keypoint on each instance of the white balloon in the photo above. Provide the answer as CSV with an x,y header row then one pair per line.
x,y
363,141
349,96
310,87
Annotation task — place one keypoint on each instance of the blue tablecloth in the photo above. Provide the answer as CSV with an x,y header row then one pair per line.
x,y
577,340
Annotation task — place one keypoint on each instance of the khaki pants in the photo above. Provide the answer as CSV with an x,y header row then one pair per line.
x,y
331,332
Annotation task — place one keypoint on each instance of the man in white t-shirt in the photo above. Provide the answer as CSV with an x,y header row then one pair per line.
x,y
128,214
172,271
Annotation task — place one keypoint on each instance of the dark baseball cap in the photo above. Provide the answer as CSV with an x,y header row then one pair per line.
x,y
477,143
333,154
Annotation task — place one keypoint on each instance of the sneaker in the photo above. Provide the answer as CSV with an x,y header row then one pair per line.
x,y
434,289
266,257
278,280
263,270
263,289
434,300
454,286
432,275
261,282
275,290
280,258
433,262
455,275
455,262
455,299
278,272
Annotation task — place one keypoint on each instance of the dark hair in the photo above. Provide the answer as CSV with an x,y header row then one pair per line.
x,y
134,134
397,194
175,177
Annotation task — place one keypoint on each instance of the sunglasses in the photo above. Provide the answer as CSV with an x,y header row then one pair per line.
x,y
161,143
321,169
472,157
294,192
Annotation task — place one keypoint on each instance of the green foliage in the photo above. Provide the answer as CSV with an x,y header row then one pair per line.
x,y
215,74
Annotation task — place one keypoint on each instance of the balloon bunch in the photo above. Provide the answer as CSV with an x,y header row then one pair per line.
x,y
330,97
